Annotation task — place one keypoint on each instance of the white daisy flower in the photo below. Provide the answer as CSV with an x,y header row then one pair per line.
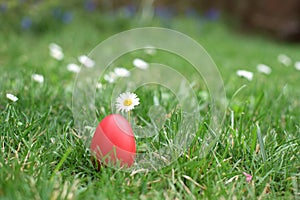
x,y
86,61
99,86
284,59
37,78
297,65
265,69
139,63
245,74
110,77
72,67
150,50
12,97
56,51
121,72
127,101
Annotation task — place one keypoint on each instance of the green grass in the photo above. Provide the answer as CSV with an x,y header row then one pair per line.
x,y
42,156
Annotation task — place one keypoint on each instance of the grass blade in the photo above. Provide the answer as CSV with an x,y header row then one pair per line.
x,y
62,160
261,143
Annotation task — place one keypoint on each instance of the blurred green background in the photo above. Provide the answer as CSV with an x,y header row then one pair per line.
x,y
42,156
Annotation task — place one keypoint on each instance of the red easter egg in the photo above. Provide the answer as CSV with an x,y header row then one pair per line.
x,y
114,141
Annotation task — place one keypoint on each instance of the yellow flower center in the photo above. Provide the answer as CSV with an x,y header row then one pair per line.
x,y
127,102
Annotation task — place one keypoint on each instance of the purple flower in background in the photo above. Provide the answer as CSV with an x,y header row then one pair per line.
x,y
3,7
59,14
164,12
26,23
212,14
90,5
128,11
67,17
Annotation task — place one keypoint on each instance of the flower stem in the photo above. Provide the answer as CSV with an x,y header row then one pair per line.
x,y
128,116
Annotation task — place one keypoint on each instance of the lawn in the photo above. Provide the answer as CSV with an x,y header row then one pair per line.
x,y
44,157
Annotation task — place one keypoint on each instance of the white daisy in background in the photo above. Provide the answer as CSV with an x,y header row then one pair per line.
x,y
110,77
121,72
99,86
56,51
141,64
38,78
284,59
19,123
127,101
297,65
72,67
86,61
12,97
245,74
150,50
265,69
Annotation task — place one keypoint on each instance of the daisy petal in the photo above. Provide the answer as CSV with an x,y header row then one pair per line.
x,y
121,72
86,61
99,86
284,59
141,64
297,65
38,78
72,67
12,97
110,77
245,74
262,68
55,51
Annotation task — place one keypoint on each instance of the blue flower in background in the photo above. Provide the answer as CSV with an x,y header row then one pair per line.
x,y
90,5
127,11
130,10
212,14
3,7
67,17
59,14
164,12
26,23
